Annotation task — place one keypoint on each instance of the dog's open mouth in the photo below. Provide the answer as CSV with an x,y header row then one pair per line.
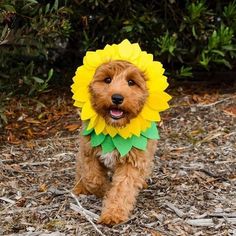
x,y
116,113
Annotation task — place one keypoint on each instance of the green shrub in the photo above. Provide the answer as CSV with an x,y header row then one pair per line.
x,y
43,41
186,37
33,34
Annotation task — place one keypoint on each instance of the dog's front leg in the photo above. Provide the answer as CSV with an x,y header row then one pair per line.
x,y
120,199
91,176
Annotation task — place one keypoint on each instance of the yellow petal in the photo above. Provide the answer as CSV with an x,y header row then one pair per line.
x,y
87,111
158,101
135,126
150,114
74,87
125,49
107,53
158,84
92,122
136,51
92,60
114,50
156,80
78,104
81,95
112,131
83,75
144,60
145,124
100,125
76,72
104,131
124,132
156,68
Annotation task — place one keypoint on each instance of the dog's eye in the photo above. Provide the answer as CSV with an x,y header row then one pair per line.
x,y
107,80
131,82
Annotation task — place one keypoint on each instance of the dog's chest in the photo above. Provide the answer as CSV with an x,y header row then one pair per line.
x,y
109,160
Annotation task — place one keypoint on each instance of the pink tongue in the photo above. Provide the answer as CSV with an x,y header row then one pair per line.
x,y
116,113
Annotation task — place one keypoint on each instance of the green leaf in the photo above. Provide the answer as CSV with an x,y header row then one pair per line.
x,y
204,60
4,32
218,52
123,145
50,74
107,145
47,8
55,6
151,132
185,72
139,142
171,49
33,1
87,132
194,32
37,79
229,48
128,28
30,5
96,140
223,61
3,117
9,8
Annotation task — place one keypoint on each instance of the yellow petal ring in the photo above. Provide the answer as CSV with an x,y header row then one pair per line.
x,y
157,100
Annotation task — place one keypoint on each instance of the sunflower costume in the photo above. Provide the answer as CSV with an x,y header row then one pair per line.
x,y
142,127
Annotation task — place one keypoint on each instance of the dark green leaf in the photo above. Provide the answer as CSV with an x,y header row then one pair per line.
x,y
107,145
152,132
96,140
123,145
139,142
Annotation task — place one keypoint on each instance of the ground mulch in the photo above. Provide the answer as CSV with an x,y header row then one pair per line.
x,y
192,190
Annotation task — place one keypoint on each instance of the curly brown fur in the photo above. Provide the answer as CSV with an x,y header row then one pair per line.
x,y
121,74
129,172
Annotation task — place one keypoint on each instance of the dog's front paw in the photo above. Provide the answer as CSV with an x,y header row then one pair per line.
x,y
113,217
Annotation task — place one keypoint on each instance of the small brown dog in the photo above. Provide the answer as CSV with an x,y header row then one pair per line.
x,y
118,93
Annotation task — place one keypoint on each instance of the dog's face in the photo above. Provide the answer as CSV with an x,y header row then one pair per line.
x,y
118,92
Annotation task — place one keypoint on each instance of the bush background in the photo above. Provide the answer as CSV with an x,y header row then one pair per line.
x,y
42,41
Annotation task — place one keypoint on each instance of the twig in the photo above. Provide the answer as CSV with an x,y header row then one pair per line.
x,y
7,200
180,148
224,162
24,209
84,212
209,137
209,222
34,163
214,103
157,229
177,211
222,214
89,213
38,233
207,172
124,222
232,133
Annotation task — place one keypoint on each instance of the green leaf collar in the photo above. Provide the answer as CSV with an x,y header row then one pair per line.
x,y
122,145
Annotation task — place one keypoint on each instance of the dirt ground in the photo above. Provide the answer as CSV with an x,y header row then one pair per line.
x,y
192,190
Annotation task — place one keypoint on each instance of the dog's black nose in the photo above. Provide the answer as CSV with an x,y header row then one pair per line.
x,y
117,99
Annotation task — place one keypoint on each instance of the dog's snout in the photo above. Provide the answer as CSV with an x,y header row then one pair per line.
x,y
117,99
